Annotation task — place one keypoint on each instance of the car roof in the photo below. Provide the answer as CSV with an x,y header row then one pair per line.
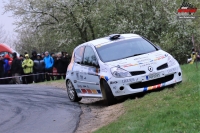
x,y
107,39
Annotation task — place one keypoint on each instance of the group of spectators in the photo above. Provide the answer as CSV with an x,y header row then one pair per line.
x,y
37,68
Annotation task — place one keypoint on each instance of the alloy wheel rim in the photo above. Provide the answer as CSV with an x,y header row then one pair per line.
x,y
70,89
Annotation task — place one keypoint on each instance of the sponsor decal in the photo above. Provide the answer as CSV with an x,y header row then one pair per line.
x,y
78,91
88,91
104,70
79,86
77,75
113,82
148,64
138,58
117,92
159,58
172,70
154,87
81,77
83,90
128,65
143,60
128,80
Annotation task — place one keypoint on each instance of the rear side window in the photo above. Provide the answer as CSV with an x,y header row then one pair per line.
x,y
78,54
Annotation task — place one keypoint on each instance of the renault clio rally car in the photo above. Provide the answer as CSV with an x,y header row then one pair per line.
x,y
119,65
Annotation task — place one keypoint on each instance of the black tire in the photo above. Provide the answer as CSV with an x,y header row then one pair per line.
x,y
107,94
72,92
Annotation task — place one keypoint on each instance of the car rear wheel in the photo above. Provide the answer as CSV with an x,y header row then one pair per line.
x,y
107,94
71,92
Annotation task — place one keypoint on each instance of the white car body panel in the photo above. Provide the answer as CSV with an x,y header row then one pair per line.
x,y
86,79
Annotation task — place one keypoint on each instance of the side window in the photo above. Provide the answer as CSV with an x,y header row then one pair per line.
x,y
78,54
90,57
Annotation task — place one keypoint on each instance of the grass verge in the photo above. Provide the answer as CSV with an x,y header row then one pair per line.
x,y
171,110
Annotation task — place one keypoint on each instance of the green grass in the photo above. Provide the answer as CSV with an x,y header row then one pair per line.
x,y
171,110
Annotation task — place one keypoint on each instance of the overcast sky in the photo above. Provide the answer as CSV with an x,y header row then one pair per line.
x,y
7,21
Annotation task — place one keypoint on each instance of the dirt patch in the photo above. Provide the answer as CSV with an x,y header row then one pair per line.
x,y
94,112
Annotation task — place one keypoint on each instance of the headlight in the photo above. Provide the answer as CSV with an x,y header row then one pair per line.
x,y
171,61
119,72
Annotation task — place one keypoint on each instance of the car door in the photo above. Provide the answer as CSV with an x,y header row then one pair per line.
x,y
89,72
77,67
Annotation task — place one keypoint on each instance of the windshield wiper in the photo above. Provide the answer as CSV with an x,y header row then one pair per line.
x,y
127,57
132,55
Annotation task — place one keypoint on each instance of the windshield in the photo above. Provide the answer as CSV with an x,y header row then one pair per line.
x,y
124,49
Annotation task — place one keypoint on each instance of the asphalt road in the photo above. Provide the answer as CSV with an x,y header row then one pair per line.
x,y
36,109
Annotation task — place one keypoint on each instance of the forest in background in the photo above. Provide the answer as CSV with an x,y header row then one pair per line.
x,y
61,25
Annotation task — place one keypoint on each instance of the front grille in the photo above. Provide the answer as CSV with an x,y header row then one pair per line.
x,y
152,82
162,66
134,73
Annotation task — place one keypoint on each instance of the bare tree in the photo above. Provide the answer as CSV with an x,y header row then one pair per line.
x,y
3,35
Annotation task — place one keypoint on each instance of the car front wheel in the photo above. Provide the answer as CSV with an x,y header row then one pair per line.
x,y
107,94
71,92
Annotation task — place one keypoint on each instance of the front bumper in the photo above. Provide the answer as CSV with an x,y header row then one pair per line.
x,y
141,83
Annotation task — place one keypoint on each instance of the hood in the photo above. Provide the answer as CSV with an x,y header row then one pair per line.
x,y
141,62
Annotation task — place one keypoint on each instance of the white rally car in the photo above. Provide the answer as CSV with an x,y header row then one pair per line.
x,y
118,65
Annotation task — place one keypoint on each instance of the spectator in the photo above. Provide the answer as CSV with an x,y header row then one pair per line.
x,y
67,59
21,58
53,55
27,66
16,69
43,55
39,68
60,65
198,56
1,68
193,56
6,59
34,55
49,62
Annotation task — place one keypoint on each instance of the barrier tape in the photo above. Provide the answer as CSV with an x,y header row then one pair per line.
x,y
53,74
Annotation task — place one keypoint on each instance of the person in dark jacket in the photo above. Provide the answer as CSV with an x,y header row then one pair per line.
x,y
60,66
6,59
34,55
21,58
1,69
39,68
16,68
67,59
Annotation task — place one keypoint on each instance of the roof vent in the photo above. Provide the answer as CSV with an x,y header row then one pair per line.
x,y
114,36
